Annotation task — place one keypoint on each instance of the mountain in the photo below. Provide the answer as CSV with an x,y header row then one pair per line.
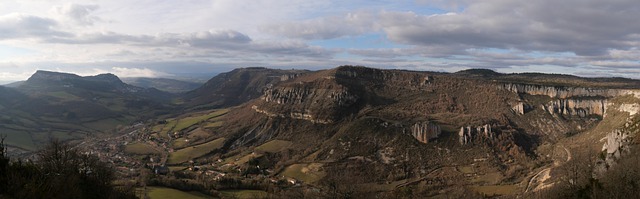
x,y
70,107
351,131
14,84
369,132
163,84
236,87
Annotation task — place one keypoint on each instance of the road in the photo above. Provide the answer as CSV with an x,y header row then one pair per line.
x,y
543,175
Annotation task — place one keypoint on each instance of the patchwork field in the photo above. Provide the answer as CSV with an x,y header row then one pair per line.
x,y
179,124
18,139
168,193
308,173
244,194
192,152
140,149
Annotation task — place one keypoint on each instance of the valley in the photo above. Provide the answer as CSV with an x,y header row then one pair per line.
x,y
346,132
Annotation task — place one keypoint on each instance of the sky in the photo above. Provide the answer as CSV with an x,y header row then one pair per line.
x,y
160,38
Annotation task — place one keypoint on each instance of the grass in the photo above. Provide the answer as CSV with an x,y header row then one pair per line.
x,y
274,146
180,143
489,178
214,124
104,125
496,190
168,193
64,95
379,187
466,169
244,194
192,152
190,121
63,136
18,139
246,158
180,168
308,173
140,149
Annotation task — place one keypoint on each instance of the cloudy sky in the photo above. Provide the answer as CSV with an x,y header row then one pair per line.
x,y
164,38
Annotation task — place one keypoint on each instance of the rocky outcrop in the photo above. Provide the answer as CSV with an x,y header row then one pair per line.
x,y
616,142
288,95
236,87
521,108
321,101
560,92
632,109
425,131
287,77
468,134
576,107
391,79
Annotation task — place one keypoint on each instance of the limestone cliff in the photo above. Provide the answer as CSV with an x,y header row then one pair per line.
x,y
320,101
560,92
576,107
468,134
425,131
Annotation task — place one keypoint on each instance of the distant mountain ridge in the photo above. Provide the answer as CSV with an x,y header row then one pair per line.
x,y
237,86
163,84
69,106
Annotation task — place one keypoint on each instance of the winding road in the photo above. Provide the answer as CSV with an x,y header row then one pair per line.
x,y
542,176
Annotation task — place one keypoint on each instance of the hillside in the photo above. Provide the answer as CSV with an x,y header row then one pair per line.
x,y
163,84
70,107
354,131
376,131
236,87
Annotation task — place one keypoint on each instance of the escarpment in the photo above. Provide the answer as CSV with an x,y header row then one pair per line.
x,y
328,96
320,101
468,134
560,92
425,131
576,107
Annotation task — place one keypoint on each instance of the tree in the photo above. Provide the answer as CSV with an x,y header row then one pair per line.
x,y
60,171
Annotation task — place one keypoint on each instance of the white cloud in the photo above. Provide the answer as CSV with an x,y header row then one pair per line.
x,y
351,24
78,13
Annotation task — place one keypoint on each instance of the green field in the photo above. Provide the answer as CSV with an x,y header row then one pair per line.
x,y
192,152
274,146
18,139
496,190
214,124
63,136
104,125
168,193
190,121
248,194
308,173
65,96
140,149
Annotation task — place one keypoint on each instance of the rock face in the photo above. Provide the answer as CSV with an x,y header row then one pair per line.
x,y
615,143
237,87
468,134
287,95
560,92
320,101
328,96
520,108
425,131
576,107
